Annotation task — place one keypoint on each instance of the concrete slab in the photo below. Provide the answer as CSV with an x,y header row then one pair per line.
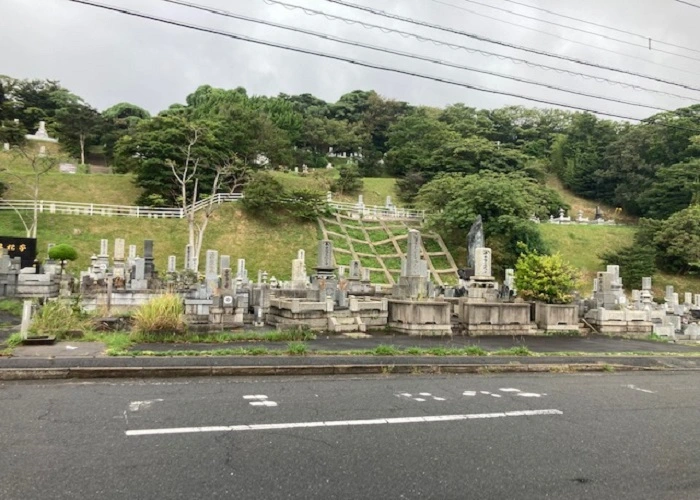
x,y
62,350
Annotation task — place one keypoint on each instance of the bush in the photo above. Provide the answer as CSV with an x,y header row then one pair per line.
x,y
159,317
63,252
59,319
546,278
635,261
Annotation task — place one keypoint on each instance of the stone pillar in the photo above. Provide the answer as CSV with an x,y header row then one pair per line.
x,y
148,258
172,264
646,283
188,258
224,263
119,255
325,265
482,263
412,266
26,318
355,273
211,271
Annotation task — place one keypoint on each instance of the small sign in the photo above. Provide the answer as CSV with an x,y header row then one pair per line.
x,y
24,248
67,168
228,300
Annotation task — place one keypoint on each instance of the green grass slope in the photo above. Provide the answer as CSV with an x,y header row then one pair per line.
x,y
264,246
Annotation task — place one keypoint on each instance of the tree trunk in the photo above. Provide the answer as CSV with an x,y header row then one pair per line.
x,y
82,149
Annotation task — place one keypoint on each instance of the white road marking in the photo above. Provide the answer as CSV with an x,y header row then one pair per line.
x,y
259,400
496,395
508,389
421,399
342,423
528,395
71,347
469,393
635,388
485,392
142,405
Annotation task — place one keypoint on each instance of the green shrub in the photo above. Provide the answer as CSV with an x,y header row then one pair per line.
x,y
546,278
386,350
297,348
159,317
63,252
59,319
349,180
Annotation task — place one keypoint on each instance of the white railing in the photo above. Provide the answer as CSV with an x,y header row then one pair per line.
x,y
377,212
70,208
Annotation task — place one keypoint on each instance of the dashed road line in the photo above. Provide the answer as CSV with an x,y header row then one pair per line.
x,y
259,400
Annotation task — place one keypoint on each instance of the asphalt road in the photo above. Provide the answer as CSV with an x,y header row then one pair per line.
x,y
600,436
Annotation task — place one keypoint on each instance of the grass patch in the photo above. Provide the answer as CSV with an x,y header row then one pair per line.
x,y
403,245
355,233
11,306
385,350
342,259
159,317
440,262
377,235
399,230
339,242
385,249
513,351
362,248
370,262
431,245
297,348
392,263
60,319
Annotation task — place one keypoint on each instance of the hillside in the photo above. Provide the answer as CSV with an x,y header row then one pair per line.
x,y
273,248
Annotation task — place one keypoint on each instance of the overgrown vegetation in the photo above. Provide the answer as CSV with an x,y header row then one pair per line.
x,y
160,317
61,319
545,278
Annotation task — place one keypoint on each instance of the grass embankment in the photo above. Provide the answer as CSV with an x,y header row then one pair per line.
x,y
264,246
582,245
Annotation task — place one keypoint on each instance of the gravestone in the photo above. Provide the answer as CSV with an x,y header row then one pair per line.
x,y
188,258
482,263
67,168
475,239
688,298
148,257
325,265
413,267
226,278
241,271
132,252
42,151
224,262
646,283
355,273
211,271
6,146
119,248
172,264
299,276
104,248
139,281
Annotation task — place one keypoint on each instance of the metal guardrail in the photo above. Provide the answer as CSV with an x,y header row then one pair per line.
x,y
98,209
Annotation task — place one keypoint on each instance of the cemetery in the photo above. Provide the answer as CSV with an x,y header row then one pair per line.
x,y
417,299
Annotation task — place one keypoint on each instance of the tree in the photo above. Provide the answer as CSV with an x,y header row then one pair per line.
x,y
76,124
349,180
678,241
62,253
636,262
39,165
545,278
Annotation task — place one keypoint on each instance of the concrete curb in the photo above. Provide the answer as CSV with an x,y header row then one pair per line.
x,y
298,370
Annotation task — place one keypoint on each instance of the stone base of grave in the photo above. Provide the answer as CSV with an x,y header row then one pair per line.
x,y
37,286
620,323
360,315
482,288
420,317
557,317
411,287
494,318
122,300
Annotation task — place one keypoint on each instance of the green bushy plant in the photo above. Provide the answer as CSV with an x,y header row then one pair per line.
x,y
60,319
545,278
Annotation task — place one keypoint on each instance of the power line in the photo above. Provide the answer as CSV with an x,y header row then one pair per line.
x,y
607,37
471,50
570,40
366,64
506,44
598,25
225,13
688,3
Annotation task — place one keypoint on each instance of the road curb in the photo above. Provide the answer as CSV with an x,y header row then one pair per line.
x,y
300,370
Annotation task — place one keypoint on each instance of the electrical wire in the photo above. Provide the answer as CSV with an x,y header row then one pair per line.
x,y
224,13
366,64
485,53
598,25
581,30
507,44
688,3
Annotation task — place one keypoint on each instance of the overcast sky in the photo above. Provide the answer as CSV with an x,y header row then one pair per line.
x,y
106,57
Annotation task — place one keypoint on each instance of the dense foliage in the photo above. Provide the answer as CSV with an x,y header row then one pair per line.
x,y
545,278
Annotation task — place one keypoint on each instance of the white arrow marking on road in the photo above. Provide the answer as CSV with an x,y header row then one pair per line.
x,y
634,387
343,423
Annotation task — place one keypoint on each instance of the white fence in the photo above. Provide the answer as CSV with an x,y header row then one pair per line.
x,y
69,208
